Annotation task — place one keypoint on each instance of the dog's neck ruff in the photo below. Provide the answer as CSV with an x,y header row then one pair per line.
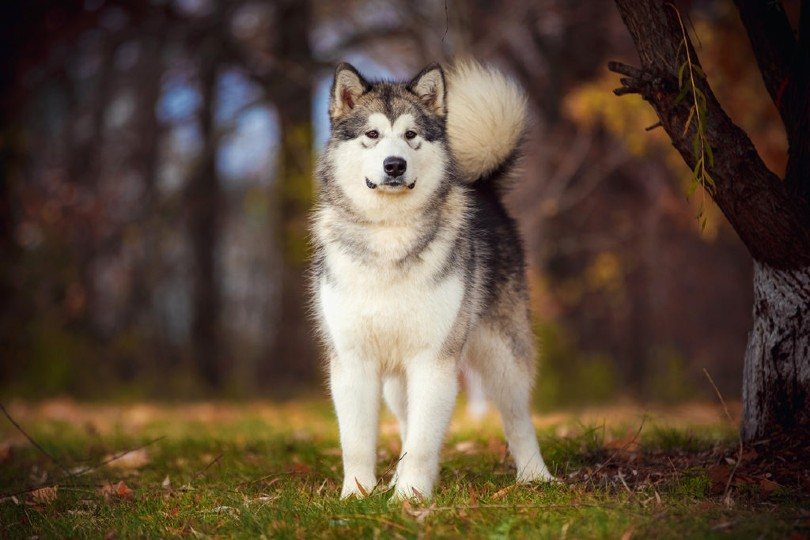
x,y
399,241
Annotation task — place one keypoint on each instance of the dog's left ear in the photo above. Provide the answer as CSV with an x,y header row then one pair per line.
x,y
429,85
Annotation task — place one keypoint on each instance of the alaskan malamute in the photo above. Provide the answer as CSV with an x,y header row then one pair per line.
x,y
419,270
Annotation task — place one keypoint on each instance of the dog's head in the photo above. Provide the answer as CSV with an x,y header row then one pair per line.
x,y
387,153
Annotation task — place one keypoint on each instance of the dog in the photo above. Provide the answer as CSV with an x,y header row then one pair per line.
x,y
418,269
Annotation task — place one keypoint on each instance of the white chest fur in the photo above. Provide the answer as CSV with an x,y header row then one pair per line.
x,y
386,312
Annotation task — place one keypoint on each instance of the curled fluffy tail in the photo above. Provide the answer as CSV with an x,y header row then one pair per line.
x,y
486,117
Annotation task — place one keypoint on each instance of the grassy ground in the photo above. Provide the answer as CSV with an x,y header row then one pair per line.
x,y
257,469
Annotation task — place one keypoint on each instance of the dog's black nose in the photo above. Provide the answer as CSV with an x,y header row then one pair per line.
x,y
394,166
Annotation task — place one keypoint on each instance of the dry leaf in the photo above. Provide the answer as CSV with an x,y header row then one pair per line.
x,y
718,474
628,534
421,513
768,486
116,491
5,452
473,495
300,468
363,490
44,495
628,443
502,492
134,459
466,447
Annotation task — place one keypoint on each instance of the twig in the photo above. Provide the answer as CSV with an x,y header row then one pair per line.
x,y
67,474
621,477
76,487
388,470
266,477
623,448
731,421
114,457
32,441
210,464
374,518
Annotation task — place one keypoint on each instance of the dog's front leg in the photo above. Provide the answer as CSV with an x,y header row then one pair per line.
x,y
355,386
432,385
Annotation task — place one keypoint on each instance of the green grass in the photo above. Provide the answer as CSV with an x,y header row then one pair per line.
x,y
253,470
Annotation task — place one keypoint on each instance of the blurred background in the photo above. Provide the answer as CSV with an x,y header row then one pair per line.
x,y
157,171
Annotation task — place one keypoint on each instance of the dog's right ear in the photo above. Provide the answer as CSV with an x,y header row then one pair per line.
x,y
347,87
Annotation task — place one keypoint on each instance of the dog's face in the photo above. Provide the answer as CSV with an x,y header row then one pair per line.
x,y
387,153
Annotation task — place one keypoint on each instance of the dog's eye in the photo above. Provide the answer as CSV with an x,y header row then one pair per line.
x,y
373,134
410,134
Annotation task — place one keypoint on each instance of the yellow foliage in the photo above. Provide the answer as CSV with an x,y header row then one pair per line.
x,y
605,271
594,103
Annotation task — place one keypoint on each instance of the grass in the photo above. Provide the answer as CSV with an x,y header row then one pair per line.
x,y
249,470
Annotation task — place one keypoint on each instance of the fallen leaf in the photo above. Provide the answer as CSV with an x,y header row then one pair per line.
x,y
466,447
473,495
5,452
116,491
363,490
300,468
134,459
718,474
768,486
420,514
501,493
628,534
44,495
627,443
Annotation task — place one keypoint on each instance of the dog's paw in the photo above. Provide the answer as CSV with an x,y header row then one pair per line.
x,y
352,487
419,489
539,474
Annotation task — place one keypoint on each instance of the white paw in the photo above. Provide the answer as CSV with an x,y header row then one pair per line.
x,y
353,487
539,473
413,487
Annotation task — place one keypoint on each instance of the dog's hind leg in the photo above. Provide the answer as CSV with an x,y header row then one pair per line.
x,y
396,397
505,365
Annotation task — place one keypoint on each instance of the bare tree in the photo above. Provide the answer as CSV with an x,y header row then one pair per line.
x,y
771,215
204,205
291,90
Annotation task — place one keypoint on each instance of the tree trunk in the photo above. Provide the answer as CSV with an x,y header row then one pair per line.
x,y
771,215
204,212
294,355
776,377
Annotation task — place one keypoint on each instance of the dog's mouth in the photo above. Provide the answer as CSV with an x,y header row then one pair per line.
x,y
391,185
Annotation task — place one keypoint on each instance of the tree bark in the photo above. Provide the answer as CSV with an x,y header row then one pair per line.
x,y
776,376
771,217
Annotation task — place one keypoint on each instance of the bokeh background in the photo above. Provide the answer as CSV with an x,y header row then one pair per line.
x,y
156,177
